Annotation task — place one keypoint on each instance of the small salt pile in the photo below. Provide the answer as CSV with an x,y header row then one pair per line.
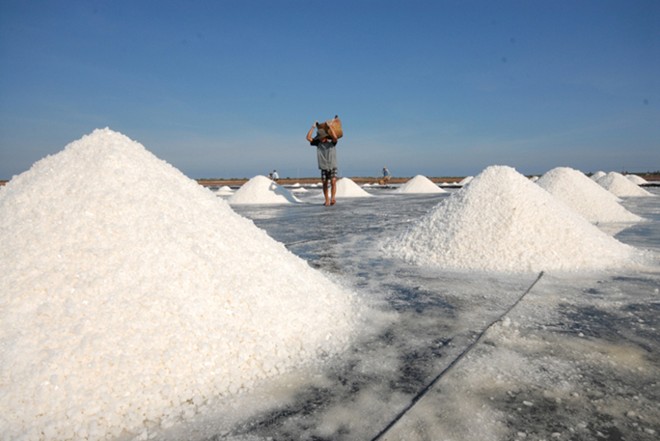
x,y
596,176
419,184
618,185
132,296
503,222
225,190
347,188
585,196
261,190
466,180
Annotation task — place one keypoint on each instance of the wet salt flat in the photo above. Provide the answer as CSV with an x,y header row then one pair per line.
x,y
137,305
577,358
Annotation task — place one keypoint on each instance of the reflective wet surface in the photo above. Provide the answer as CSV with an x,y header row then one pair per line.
x,y
459,356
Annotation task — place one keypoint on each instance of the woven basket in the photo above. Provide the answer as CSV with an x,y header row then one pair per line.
x,y
336,126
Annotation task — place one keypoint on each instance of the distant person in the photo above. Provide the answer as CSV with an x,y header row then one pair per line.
x,y
274,175
326,156
386,176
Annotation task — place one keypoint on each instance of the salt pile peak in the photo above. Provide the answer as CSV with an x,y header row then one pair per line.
x,y
466,180
621,186
503,222
635,179
261,190
132,296
419,184
347,188
225,190
585,196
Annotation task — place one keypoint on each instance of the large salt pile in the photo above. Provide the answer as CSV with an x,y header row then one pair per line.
x,y
620,186
131,296
347,188
419,184
585,196
261,190
504,222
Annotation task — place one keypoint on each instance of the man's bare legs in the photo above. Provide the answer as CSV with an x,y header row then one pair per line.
x,y
330,199
333,201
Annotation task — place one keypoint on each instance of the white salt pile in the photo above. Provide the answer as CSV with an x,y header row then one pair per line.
x,y
638,180
585,196
225,190
347,188
504,222
261,190
617,184
596,176
466,180
419,184
132,296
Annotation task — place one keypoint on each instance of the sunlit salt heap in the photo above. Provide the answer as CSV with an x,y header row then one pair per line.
x,y
225,190
585,196
503,222
638,180
131,295
347,188
261,190
466,180
419,184
621,186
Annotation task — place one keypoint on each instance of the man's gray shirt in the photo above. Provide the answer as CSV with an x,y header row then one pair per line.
x,y
326,154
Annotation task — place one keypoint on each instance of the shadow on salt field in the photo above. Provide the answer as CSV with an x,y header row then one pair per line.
x,y
577,359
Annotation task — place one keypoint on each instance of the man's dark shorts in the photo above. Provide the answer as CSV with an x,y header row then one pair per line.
x,y
327,175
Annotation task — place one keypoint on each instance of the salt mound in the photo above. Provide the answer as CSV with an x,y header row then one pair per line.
x,y
638,180
225,190
596,176
261,190
347,188
466,180
585,196
620,186
131,296
504,222
419,184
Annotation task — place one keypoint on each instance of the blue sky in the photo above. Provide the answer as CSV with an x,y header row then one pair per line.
x,y
441,88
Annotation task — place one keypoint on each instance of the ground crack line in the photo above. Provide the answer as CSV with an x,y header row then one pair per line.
x,y
454,362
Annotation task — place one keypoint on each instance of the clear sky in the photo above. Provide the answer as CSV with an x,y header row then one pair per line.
x,y
440,88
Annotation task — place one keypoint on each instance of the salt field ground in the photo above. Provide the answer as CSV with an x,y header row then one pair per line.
x,y
452,356
136,304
